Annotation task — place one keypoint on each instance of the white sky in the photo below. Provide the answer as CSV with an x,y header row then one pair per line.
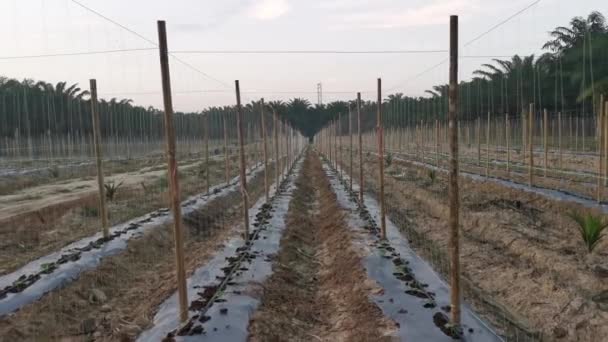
x,y
33,27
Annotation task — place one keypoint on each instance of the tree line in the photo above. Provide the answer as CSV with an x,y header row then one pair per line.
x,y
568,77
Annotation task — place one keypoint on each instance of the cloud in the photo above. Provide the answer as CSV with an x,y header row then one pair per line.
x,y
432,13
269,9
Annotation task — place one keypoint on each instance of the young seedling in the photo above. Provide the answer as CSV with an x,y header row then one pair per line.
x,y
111,189
590,227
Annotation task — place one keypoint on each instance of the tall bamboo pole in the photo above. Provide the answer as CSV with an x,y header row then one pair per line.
x,y
488,146
605,128
339,144
479,141
437,142
276,147
103,213
242,166
508,141
600,121
207,151
559,138
350,135
173,173
263,131
360,148
380,133
453,195
531,145
226,157
546,140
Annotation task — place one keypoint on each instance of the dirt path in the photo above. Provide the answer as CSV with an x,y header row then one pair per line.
x,y
319,289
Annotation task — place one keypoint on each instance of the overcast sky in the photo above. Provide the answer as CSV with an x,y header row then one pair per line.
x,y
35,27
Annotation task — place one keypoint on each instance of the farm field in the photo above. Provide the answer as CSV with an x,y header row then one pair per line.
x,y
314,171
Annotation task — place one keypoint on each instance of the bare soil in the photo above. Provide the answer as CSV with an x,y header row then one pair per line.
x,y
319,290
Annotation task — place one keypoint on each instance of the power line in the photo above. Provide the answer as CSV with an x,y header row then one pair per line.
x,y
283,52
501,23
468,43
149,41
76,53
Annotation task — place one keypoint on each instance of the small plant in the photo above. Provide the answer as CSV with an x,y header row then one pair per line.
x,y
388,159
590,227
163,182
432,176
87,211
111,190
54,170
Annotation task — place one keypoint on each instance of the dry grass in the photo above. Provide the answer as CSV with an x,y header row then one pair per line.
x,y
319,290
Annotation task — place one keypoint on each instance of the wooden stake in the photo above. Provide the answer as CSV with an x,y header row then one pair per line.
x,y
488,146
207,151
103,213
263,131
508,138
380,133
479,141
453,195
545,141
605,128
531,145
243,178
437,141
360,148
559,138
173,173
350,135
276,147
226,157
600,121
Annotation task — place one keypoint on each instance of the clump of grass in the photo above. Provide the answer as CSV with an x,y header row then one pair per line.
x,y
163,182
388,159
111,190
54,171
590,227
432,176
87,211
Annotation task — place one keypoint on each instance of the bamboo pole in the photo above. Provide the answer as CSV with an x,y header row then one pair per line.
x,y
508,138
350,135
226,157
207,152
380,133
600,121
546,140
103,213
605,128
479,141
276,147
531,145
263,131
339,144
559,139
360,148
488,146
453,196
336,157
173,173
524,135
437,141
242,166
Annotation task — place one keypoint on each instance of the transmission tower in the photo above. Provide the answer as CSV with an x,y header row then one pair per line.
x,y
319,94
